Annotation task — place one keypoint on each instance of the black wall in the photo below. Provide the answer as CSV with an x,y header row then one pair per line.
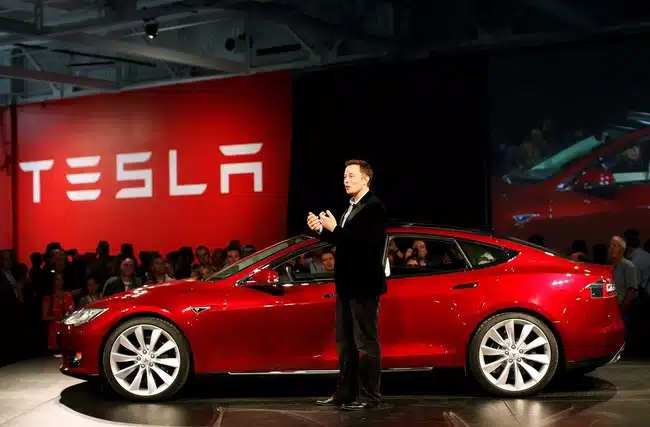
x,y
423,126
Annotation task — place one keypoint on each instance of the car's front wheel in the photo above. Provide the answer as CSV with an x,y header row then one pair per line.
x,y
513,355
146,359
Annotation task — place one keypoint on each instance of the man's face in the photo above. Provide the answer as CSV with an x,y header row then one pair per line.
x,y
158,266
128,267
203,256
616,249
420,249
633,153
92,286
328,261
354,180
232,257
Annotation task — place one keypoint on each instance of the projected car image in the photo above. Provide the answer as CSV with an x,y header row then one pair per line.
x,y
592,189
512,314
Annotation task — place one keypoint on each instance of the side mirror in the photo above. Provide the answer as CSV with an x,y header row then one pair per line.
x,y
266,277
597,182
594,177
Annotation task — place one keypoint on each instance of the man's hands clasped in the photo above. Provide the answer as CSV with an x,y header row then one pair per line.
x,y
325,220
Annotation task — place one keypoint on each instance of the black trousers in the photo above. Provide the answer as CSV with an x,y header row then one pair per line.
x,y
357,342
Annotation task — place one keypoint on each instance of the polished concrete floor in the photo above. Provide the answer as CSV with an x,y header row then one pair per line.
x,y
34,394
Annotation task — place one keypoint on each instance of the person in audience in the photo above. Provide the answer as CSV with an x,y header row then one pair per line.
x,y
217,259
233,254
626,275
327,258
93,292
247,250
158,273
641,260
124,282
203,267
395,255
169,268
626,280
55,308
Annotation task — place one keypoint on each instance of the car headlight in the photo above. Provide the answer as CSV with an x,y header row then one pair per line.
x,y
82,316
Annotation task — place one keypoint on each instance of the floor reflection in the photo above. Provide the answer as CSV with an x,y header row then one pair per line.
x,y
410,401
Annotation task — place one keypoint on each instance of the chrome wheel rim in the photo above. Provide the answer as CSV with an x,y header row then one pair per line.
x,y
145,360
515,355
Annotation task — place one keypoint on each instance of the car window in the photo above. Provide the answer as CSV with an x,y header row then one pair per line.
x,y
408,256
256,257
628,165
312,264
481,255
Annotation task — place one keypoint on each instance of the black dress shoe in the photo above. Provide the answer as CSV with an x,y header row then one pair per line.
x,y
358,406
330,401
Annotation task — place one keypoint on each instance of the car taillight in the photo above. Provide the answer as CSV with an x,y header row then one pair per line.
x,y
603,288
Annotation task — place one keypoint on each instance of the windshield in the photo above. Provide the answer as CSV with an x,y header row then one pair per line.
x,y
256,257
565,157
558,161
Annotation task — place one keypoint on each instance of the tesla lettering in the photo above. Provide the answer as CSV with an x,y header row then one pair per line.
x,y
184,189
145,176
36,168
83,178
241,168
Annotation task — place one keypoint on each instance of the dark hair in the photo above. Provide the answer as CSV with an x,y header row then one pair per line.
x,y
579,246
632,238
364,166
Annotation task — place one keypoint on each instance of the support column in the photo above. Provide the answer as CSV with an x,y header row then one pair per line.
x,y
13,144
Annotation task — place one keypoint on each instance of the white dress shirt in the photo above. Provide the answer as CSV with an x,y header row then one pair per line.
x,y
353,204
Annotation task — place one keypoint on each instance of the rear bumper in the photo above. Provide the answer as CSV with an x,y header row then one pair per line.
x,y
595,362
594,334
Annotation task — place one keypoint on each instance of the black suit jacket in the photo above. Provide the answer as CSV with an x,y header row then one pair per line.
x,y
360,243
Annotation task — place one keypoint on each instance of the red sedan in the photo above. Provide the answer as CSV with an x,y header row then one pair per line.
x,y
514,315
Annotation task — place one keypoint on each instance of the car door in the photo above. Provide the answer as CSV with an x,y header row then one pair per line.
x,y
423,314
289,327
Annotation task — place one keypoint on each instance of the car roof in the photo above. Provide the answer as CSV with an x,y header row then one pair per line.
x,y
427,228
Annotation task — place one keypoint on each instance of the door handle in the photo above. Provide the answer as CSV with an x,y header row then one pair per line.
x,y
465,286
332,295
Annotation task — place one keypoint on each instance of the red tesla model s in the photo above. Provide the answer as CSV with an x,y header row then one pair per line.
x,y
514,315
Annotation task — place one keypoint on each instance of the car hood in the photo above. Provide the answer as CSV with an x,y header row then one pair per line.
x,y
167,290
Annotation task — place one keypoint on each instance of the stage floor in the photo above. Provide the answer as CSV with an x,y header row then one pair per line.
x,y
33,393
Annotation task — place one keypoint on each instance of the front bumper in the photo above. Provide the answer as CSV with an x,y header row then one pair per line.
x,y
80,351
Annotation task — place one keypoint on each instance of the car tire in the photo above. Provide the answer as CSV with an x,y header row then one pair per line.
x,y
530,366
125,362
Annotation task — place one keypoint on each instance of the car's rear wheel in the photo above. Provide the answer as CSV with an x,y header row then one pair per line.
x,y
146,359
513,355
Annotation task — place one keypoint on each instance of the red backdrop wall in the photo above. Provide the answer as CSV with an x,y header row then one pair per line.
x,y
6,214
106,166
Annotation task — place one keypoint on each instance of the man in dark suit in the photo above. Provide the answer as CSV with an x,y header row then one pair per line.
x,y
359,275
